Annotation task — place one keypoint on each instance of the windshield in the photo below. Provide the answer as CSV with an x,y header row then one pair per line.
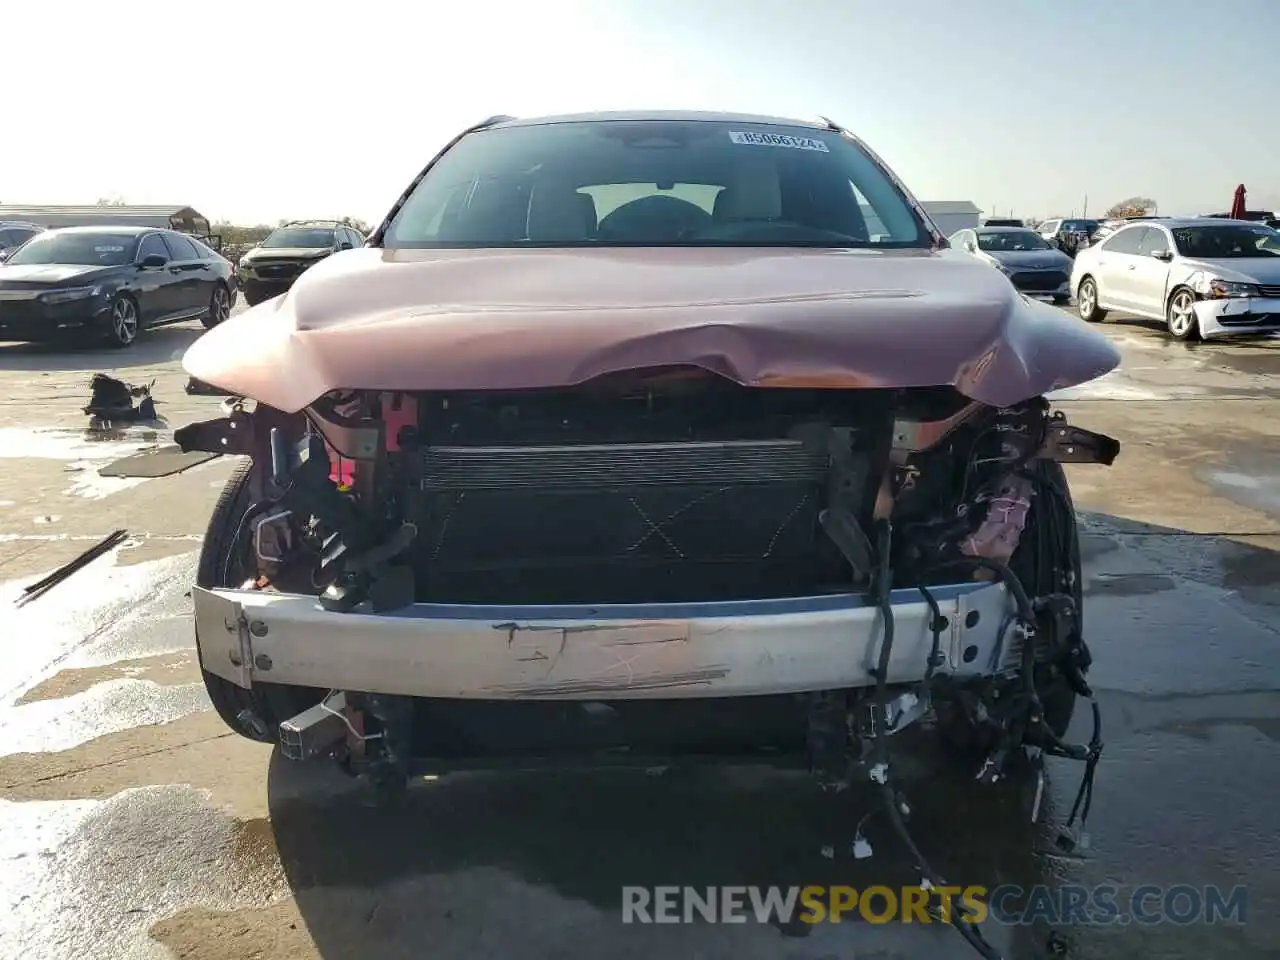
x,y
300,237
1011,240
1228,242
655,183
1080,226
83,249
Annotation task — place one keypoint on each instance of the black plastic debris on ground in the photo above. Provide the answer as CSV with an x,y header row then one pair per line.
x,y
40,587
164,462
112,401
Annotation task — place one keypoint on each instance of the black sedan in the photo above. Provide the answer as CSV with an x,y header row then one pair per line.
x,y
90,284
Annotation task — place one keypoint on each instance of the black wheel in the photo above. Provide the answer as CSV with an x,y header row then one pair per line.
x,y
219,307
1047,561
123,327
1180,315
224,562
1087,301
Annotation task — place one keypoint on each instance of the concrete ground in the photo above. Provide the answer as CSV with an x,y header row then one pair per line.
x,y
132,824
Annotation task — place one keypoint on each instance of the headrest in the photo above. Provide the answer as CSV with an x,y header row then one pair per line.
x,y
755,194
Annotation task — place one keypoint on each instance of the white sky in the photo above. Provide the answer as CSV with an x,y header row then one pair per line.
x,y
254,111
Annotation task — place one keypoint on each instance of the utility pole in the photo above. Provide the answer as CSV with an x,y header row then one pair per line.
x,y
1085,214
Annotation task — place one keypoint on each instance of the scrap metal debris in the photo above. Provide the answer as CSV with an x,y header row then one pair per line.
x,y
164,462
40,587
112,401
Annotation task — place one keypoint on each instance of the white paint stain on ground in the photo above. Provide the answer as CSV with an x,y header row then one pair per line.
x,y
1112,386
47,726
84,451
95,602
25,443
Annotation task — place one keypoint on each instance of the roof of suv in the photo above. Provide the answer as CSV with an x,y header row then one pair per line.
x,y
698,115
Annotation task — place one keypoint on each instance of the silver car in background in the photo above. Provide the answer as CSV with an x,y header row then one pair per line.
x,y
13,234
1032,265
1205,278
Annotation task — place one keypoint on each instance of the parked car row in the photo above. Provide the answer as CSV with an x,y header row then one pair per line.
x,y
108,283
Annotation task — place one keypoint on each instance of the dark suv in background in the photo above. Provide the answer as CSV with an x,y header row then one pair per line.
x,y
1069,235
270,268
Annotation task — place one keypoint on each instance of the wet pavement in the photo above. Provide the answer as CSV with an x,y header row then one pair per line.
x,y
132,824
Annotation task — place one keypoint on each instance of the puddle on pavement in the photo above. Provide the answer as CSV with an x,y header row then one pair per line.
x,y
1129,585
1257,362
84,451
87,878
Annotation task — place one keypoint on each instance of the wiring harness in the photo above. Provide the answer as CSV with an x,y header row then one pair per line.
x,y
1031,707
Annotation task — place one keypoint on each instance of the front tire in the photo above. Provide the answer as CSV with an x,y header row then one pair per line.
x,y
1087,301
1180,316
123,325
219,307
224,562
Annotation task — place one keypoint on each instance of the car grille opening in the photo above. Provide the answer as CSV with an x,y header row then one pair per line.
x,y
687,492
1039,280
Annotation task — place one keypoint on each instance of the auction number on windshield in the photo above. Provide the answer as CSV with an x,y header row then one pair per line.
x,y
757,139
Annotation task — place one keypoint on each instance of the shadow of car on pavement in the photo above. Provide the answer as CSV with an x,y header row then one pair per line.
x,y
157,346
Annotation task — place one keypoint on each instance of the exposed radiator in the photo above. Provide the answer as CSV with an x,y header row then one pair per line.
x,y
621,465
645,521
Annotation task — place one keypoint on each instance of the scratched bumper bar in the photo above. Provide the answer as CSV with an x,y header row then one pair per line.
x,y
649,651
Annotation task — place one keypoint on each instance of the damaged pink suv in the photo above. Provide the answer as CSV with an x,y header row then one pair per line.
x,y
632,437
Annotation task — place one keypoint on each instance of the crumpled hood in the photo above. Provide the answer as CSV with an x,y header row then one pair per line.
x,y
547,317
1242,270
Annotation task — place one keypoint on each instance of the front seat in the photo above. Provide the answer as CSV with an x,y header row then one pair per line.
x,y
560,214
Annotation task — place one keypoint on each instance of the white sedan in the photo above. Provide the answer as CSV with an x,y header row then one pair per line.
x,y
1204,277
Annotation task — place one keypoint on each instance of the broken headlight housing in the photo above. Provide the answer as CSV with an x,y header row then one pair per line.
x,y
1221,289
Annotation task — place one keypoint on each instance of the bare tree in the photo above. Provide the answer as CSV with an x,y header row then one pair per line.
x,y
115,200
357,224
1132,207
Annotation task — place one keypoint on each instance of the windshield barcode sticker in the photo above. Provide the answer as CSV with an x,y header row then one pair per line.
x,y
756,139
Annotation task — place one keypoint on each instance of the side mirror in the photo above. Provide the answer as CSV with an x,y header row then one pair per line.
x,y
344,245
153,260
1163,255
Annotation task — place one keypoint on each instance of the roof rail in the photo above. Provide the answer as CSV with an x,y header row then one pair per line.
x,y
495,119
